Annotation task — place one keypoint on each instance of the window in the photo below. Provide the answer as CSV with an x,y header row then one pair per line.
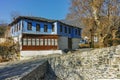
x,y
78,31
29,26
45,42
41,41
75,31
22,24
33,42
53,42
56,43
37,42
69,30
49,42
65,29
60,28
19,26
12,30
53,28
24,41
45,28
29,42
37,27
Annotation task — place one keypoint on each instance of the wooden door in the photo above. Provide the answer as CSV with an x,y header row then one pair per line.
x,y
70,43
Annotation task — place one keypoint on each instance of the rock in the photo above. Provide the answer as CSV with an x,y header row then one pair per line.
x,y
95,64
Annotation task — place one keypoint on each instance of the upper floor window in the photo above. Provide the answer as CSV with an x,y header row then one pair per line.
x,y
19,26
22,24
29,26
60,28
75,31
45,28
53,28
65,28
12,30
69,30
37,27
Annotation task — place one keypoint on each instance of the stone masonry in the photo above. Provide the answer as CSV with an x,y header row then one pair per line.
x,y
94,64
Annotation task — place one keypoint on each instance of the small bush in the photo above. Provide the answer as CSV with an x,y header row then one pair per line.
x,y
84,45
9,51
96,45
109,42
116,41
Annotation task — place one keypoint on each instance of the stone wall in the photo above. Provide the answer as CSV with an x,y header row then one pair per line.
x,y
38,73
95,64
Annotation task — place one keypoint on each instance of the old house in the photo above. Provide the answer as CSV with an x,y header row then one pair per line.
x,y
36,34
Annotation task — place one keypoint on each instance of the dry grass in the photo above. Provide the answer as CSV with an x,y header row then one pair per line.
x,y
84,45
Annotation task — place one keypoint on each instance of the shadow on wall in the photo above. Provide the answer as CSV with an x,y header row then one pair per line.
x,y
43,72
50,74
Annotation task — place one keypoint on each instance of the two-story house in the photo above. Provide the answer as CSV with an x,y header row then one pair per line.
x,y
36,34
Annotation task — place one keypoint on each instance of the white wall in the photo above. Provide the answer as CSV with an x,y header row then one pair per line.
x,y
75,43
63,42
32,54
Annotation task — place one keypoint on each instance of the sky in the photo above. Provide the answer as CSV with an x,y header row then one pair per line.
x,y
51,9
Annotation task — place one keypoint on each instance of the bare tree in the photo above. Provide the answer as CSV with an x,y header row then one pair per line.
x,y
14,15
97,15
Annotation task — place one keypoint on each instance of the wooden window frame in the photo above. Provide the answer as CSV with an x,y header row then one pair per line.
x,y
53,28
19,26
69,30
37,42
34,41
45,28
26,41
29,25
38,27
76,31
61,28
65,29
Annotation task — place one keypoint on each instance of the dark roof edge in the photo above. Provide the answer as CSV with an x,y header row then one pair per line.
x,y
68,24
38,19
30,18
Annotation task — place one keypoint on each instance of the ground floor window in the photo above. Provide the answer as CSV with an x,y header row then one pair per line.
x,y
39,42
24,41
33,42
29,42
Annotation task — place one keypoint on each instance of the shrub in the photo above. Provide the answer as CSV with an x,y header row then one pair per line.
x,y
9,51
109,42
116,41
84,45
96,45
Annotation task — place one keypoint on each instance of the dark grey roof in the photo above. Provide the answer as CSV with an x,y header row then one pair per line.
x,y
73,23
31,18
